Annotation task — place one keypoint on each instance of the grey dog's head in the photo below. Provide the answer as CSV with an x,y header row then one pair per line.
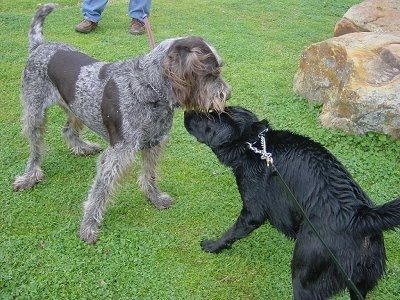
x,y
214,130
193,67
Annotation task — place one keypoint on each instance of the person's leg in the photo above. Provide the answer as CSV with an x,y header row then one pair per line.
x,y
138,9
92,9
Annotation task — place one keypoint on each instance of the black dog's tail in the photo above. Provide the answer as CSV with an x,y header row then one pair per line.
x,y
36,31
379,218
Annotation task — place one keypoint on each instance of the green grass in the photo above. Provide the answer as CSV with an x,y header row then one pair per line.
x,y
148,254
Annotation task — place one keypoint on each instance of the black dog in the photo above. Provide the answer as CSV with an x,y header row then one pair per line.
x,y
348,221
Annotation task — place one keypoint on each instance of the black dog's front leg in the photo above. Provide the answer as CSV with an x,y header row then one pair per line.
x,y
244,225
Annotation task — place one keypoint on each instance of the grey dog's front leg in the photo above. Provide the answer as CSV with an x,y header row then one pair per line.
x,y
147,179
112,164
244,225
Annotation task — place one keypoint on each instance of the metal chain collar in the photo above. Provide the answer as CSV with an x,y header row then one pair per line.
x,y
267,156
159,93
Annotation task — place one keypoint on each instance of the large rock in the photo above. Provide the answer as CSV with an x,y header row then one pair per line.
x,y
370,16
357,78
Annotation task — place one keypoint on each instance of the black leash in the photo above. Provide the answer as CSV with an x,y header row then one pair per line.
x,y
270,163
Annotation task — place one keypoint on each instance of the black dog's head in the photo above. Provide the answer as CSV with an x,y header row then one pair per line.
x,y
235,125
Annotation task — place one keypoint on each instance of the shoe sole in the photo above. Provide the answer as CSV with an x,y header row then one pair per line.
x,y
136,32
85,30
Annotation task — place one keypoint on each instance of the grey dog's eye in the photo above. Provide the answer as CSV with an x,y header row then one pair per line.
x,y
208,129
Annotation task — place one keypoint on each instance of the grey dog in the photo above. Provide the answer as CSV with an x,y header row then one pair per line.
x,y
128,103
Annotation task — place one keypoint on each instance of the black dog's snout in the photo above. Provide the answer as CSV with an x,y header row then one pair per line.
x,y
186,121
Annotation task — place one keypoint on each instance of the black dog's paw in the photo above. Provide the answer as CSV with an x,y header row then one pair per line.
x,y
211,246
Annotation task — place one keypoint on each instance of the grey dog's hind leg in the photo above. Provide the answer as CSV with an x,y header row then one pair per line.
x,y
71,133
147,178
112,164
35,102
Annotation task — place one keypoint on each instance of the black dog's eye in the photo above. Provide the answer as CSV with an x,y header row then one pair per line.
x,y
208,129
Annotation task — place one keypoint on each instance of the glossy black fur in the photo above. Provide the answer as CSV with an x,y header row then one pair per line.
x,y
350,224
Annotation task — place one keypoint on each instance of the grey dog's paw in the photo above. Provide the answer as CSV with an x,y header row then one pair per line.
x,y
89,233
163,201
27,180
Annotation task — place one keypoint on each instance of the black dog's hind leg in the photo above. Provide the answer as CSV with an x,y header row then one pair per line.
x,y
244,225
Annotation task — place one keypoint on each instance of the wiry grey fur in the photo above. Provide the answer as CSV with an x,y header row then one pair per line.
x,y
128,103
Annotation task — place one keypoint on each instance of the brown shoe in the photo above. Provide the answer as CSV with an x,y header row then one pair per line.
x,y
86,26
137,27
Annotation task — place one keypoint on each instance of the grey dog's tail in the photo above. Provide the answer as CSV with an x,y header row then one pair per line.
x,y
379,218
36,31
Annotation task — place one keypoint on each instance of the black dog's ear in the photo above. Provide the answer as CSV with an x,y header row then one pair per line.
x,y
242,118
265,122
259,126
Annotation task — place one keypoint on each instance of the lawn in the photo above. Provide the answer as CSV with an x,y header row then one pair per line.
x,y
143,253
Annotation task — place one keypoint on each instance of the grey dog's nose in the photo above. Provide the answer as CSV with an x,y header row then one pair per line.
x,y
226,95
223,96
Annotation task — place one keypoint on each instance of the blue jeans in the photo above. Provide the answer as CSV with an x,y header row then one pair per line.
x,y
92,9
